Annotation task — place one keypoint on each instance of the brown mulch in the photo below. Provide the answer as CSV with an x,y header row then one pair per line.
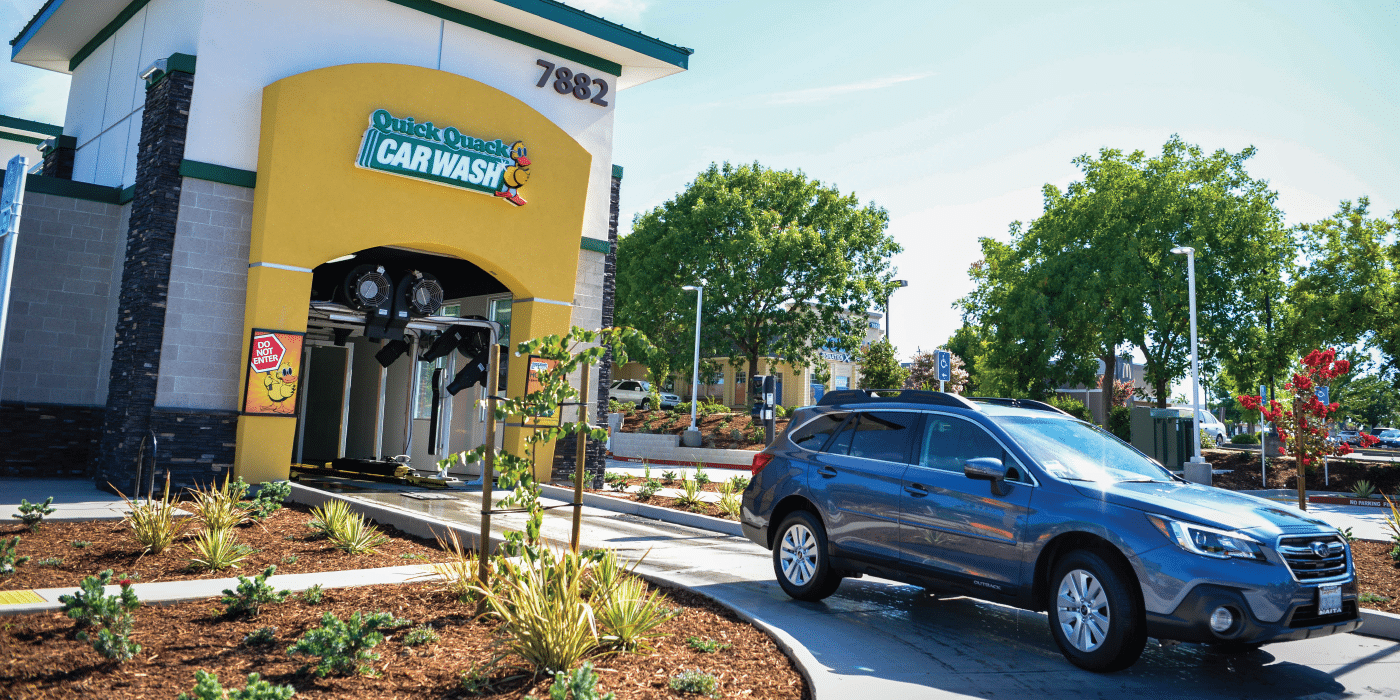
x,y
282,539
706,507
675,423
1377,574
43,660
1342,473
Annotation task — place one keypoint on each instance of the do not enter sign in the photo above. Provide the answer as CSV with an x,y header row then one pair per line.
x,y
267,352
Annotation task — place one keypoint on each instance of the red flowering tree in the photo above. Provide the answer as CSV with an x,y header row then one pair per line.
x,y
1302,421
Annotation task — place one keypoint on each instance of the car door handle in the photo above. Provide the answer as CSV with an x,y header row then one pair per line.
x,y
827,472
916,490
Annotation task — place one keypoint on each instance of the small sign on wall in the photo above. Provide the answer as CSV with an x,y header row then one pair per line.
x,y
274,369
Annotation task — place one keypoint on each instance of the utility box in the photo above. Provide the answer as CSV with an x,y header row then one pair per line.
x,y
1163,434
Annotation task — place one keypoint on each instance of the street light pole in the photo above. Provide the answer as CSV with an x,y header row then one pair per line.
x,y
693,432
1205,474
899,284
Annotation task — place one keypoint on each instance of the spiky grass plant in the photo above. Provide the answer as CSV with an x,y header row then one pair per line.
x,y
329,517
690,495
630,615
220,508
543,611
459,571
154,524
357,536
216,550
729,503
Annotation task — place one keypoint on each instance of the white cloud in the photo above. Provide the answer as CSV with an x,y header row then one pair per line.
x,y
825,93
619,11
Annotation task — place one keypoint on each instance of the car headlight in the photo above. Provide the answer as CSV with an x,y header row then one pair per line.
x,y
1207,541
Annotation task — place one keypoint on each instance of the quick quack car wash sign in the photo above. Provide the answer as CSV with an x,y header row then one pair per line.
x,y
444,155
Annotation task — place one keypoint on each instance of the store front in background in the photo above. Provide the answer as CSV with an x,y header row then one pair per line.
x,y
391,202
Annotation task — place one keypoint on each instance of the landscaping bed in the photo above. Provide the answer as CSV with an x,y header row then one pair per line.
x,y
42,659
730,431
283,538
1342,473
1377,575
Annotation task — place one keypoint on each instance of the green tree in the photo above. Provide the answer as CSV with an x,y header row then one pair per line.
x,y
789,263
879,367
966,342
1367,400
1095,270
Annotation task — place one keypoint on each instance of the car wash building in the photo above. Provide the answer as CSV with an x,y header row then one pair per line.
x,y
271,232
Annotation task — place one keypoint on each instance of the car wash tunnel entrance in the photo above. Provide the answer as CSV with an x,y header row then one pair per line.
x,y
394,362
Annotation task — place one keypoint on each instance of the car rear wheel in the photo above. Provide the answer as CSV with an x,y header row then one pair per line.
x,y
1096,618
645,404
800,559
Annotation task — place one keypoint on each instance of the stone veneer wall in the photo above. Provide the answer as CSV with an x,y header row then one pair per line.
x,y
47,440
593,266
193,443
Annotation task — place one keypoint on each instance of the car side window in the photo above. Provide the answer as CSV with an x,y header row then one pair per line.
x,y
841,443
814,434
949,442
627,386
885,435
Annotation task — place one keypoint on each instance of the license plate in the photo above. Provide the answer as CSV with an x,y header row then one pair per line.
x,y
1329,600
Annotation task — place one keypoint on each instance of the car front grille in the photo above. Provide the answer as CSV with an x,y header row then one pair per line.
x,y
1306,615
1314,557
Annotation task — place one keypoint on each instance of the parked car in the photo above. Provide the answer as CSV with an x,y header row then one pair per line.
x,y
1210,425
1389,439
1018,503
1349,437
639,392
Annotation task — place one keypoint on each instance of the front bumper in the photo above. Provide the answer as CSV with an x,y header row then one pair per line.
x,y
1190,621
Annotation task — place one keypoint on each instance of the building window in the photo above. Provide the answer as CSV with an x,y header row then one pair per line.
x,y
843,382
423,397
500,313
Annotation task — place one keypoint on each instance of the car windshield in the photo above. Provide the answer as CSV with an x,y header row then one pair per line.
x,y
1390,434
1077,451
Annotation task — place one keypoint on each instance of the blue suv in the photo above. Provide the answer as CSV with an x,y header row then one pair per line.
x,y
1015,502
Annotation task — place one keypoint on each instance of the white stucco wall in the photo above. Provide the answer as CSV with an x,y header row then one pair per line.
x,y
106,95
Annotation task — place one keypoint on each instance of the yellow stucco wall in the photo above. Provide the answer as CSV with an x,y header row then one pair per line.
x,y
313,204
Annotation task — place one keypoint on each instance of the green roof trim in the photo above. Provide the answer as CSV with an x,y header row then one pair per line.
x,y
218,173
126,195
594,245
467,19
122,17
7,136
63,187
617,172
594,25
27,125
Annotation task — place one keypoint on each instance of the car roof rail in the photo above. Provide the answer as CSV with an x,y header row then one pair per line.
x,y
937,398
1018,403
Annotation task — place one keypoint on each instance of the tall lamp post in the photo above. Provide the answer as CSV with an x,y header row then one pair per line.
x,y
1197,469
691,438
900,284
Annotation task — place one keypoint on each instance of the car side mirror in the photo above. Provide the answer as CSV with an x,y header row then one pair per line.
x,y
987,469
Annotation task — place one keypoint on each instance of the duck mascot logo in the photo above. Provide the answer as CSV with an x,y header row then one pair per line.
x,y
516,175
273,373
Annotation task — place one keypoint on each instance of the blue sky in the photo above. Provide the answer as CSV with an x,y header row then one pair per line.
x,y
953,115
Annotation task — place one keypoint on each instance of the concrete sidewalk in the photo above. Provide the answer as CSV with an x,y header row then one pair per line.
x,y
74,500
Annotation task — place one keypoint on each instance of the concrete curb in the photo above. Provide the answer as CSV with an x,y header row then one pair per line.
x,y
1379,624
669,515
405,520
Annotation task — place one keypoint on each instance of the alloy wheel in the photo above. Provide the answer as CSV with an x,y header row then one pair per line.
x,y
799,554
1082,608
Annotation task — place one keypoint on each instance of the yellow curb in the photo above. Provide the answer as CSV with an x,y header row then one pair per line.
x,y
19,597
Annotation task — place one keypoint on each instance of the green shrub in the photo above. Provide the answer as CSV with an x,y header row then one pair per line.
x,y
269,500
648,490
1120,422
8,560
582,684
616,480
261,636
220,508
739,482
347,531
250,595
729,503
629,615
1245,439
329,517
1207,442
32,514
47,561
91,609
313,595
667,477
540,603
696,682
705,646
341,646
700,476
421,634
1363,489
206,687
1072,406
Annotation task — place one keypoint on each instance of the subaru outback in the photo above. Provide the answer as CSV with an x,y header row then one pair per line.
x,y
1015,502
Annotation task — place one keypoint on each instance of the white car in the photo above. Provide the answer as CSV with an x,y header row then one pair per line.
x,y
639,392
1210,425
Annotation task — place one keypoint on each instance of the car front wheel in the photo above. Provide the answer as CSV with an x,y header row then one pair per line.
x,y
800,559
1096,618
